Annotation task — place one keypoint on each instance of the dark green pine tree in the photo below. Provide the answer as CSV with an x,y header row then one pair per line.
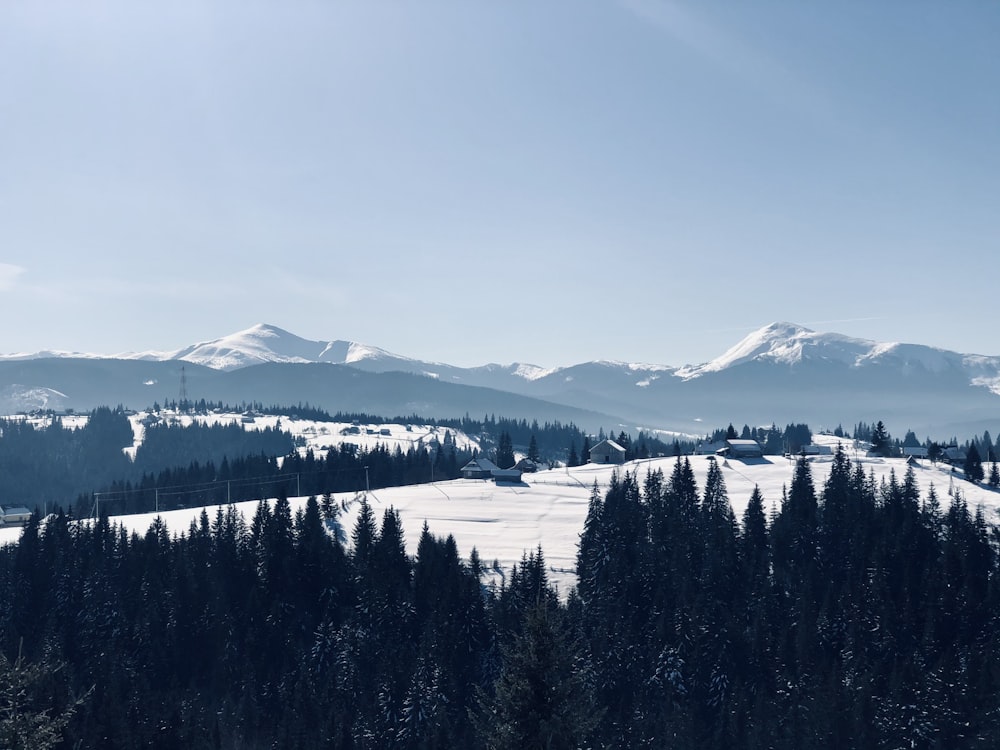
x,y
533,449
994,480
719,530
881,444
572,459
29,716
794,532
754,553
973,465
542,699
505,451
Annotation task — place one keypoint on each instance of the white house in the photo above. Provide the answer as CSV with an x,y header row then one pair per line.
x,y
479,468
607,452
742,449
14,516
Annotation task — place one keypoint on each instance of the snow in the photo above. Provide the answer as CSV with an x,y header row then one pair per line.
x,y
786,343
532,372
505,522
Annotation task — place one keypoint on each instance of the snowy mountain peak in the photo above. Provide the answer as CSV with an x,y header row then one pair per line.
x,y
267,343
785,343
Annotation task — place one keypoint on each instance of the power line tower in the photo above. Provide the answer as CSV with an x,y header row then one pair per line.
x,y
182,404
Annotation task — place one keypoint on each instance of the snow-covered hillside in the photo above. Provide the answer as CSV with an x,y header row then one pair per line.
x,y
504,522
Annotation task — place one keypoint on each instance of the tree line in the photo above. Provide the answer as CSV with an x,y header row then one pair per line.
x,y
855,614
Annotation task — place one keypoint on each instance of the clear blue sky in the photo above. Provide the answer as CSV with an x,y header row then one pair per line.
x,y
545,182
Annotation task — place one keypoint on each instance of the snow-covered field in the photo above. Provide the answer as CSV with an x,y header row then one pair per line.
x,y
318,435
503,522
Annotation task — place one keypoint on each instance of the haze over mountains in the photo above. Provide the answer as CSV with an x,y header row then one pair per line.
x,y
781,373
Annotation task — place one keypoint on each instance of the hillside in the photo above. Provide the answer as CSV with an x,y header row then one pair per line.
x,y
504,522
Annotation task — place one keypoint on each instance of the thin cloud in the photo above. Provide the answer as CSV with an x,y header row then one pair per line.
x,y
732,55
9,274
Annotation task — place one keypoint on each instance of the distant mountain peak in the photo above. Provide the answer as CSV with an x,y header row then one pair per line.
x,y
263,342
786,343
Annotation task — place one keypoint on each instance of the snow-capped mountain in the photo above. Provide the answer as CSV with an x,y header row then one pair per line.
x,y
266,343
790,344
780,373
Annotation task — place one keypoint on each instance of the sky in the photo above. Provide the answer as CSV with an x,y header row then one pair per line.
x,y
547,182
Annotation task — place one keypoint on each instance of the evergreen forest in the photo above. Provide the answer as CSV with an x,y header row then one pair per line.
x,y
855,615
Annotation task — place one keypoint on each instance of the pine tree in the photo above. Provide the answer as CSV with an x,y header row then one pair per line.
x,y
533,449
753,541
542,699
505,451
973,465
30,719
881,445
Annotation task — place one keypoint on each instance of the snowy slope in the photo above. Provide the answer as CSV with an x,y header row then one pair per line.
x,y
503,522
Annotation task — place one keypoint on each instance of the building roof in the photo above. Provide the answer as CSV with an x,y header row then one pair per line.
x,y
482,464
737,443
18,511
608,443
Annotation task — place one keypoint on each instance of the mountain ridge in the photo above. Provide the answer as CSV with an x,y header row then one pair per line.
x,y
782,342
782,372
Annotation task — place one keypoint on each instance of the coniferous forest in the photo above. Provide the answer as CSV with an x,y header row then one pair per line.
x,y
856,615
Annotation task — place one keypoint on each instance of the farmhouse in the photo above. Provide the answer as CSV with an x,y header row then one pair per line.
x,y
954,455
506,476
14,516
607,452
526,465
742,449
479,468
709,449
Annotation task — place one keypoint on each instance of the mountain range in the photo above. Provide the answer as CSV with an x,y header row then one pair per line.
x,y
780,373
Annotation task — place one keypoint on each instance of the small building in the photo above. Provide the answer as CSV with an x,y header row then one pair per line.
x,y
479,468
526,466
915,451
385,431
709,449
14,516
953,455
607,452
742,449
506,476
